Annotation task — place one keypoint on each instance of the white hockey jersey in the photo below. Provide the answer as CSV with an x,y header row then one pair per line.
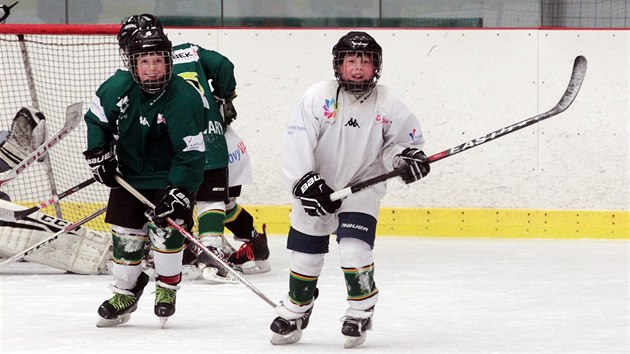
x,y
347,140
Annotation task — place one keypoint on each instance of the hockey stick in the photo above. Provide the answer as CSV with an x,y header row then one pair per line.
x,y
15,215
195,241
44,242
577,77
73,118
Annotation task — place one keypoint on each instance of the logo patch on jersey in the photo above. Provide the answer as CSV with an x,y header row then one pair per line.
x,y
237,154
187,55
352,123
160,119
144,121
382,120
330,108
414,134
194,143
123,104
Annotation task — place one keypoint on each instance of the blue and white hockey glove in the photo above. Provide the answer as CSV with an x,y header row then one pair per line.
x,y
314,194
173,205
416,163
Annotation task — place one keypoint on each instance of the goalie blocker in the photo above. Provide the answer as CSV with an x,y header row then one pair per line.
x,y
82,251
25,135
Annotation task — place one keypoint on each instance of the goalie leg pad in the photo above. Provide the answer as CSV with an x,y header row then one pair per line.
x,y
82,251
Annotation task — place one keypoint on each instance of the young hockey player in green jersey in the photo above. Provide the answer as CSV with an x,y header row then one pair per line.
x,y
146,125
202,67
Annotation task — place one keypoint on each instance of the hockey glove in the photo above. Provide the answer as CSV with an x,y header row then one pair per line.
x,y
314,194
226,109
174,203
416,163
104,165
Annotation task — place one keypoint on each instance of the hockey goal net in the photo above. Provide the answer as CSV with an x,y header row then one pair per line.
x,y
49,67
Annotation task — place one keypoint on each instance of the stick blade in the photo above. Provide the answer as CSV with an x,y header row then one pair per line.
x,y
74,113
577,78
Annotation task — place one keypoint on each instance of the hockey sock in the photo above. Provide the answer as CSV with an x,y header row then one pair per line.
x,y
302,288
211,217
360,282
241,223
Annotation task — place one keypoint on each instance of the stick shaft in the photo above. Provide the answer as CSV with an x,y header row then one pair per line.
x,y
195,241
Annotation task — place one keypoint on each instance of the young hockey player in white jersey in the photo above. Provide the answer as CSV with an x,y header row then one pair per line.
x,y
343,132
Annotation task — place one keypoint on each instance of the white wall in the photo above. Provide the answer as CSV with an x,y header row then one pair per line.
x,y
461,85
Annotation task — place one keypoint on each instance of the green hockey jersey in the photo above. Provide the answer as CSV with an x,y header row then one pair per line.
x,y
199,67
158,138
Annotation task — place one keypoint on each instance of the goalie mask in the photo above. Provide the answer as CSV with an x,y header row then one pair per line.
x,y
357,61
149,58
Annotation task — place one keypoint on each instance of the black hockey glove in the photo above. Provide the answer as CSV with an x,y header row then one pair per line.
x,y
226,109
174,203
104,165
314,194
416,163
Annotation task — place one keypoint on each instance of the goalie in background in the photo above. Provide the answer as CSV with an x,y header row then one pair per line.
x,y
27,133
343,132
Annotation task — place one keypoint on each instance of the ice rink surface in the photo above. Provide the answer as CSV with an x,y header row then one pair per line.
x,y
436,296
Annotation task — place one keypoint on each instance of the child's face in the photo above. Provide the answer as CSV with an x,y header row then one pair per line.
x,y
151,67
357,67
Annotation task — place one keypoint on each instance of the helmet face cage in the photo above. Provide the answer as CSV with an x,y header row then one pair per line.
x,y
151,86
359,43
149,41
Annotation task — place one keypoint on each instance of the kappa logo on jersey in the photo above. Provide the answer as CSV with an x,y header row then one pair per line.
x,y
352,123
187,55
330,108
194,143
144,121
160,119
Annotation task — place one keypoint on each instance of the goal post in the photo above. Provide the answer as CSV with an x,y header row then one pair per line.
x,y
50,67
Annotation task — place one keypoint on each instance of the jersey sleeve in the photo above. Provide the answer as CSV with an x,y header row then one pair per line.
x,y
300,140
220,71
404,132
101,117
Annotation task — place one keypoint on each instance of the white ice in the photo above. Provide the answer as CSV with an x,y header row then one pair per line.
x,y
436,296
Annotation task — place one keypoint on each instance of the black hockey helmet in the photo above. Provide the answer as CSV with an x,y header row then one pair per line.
x,y
133,23
357,42
149,40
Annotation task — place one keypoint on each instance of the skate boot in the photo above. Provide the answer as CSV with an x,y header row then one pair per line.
x,y
287,328
211,270
118,309
165,296
253,254
355,323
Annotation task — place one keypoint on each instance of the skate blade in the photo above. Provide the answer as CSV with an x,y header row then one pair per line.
x,y
293,337
122,319
209,275
163,321
256,267
352,342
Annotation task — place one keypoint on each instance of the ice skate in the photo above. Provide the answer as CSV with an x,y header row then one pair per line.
x,y
355,323
165,296
211,270
253,254
117,310
287,328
